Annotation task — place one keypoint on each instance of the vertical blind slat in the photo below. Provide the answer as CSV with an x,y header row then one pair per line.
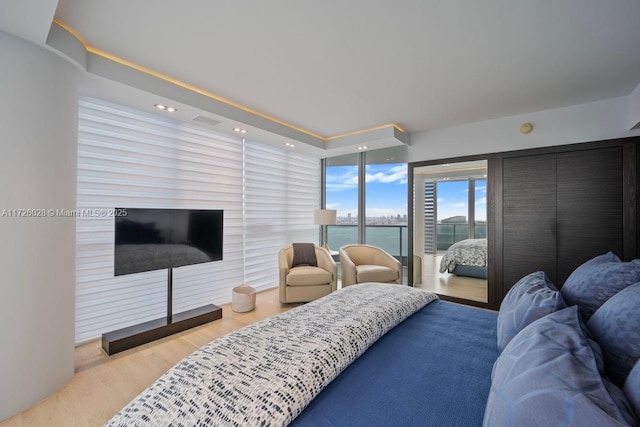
x,y
282,190
129,158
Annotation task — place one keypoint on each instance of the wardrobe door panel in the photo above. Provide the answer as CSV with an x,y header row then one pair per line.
x,y
590,206
529,217
634,203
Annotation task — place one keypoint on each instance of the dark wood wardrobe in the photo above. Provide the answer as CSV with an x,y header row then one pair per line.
x,y
558,207
554,208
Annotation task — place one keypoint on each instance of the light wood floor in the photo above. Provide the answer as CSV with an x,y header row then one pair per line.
x,y
449,284
103,384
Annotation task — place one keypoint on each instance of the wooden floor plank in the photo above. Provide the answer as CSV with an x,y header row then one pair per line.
x,y
103,384
449,284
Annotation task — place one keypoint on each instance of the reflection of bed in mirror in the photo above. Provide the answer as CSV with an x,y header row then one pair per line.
x,y
132,258
466,258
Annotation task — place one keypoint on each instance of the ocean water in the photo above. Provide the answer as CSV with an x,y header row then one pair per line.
x,y
393,238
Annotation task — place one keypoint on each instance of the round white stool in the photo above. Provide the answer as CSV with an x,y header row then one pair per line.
x,y
243,299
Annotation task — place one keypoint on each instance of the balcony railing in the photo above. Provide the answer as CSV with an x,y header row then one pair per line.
x,y
448,234
394,238
391,238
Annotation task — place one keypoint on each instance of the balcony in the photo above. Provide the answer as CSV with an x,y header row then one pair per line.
x,y
448,234
394,238
391,238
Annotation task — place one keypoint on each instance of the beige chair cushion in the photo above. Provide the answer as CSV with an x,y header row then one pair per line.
x,y
375,273
308,276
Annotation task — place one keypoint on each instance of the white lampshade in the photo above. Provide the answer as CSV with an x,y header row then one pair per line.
x,y
324,216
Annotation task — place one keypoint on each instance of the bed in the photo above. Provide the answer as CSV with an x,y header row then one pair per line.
x,y
377,355
415,384
466,258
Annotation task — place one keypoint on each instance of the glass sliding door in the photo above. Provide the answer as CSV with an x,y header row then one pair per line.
x,y
385,198
341,194
369,192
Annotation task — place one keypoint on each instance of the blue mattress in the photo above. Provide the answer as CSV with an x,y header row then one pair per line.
x,y
434,369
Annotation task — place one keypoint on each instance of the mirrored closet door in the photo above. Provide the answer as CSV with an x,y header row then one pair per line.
x,y
450,229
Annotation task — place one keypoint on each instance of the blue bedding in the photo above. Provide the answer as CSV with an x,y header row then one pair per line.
x,y
433,369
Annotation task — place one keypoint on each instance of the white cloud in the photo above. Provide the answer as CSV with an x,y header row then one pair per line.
x,y
396,174
348,180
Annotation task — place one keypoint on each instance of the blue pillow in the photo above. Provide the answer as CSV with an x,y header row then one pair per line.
x,y
533,297
597,280
616,328
548,375
632,388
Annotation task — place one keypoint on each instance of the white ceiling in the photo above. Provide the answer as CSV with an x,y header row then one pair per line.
x,y
338,66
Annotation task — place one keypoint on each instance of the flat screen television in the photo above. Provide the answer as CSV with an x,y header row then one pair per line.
x,y
154,239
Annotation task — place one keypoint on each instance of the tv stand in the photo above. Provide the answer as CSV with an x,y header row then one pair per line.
x,y
133,336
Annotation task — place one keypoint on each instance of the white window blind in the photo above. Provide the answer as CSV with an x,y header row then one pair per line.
x,y
282,189
430,218
128,158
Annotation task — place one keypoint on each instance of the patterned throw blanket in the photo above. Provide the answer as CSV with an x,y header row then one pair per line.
x,y
267,373
465,252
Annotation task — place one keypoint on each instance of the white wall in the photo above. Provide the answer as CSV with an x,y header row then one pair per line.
x,y
38,133
634,108
594,121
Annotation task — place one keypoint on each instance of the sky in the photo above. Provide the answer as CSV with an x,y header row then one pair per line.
x,y
453,198
386,192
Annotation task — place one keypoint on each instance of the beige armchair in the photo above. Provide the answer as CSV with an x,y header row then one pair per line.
x,y
366,263
306,283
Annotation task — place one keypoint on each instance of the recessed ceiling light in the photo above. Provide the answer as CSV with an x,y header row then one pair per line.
x,y
289,144
166,108
240,130
363,147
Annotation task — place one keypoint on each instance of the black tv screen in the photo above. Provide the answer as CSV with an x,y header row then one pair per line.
x,y
154,239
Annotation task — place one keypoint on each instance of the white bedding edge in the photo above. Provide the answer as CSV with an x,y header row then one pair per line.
x,y
267,373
